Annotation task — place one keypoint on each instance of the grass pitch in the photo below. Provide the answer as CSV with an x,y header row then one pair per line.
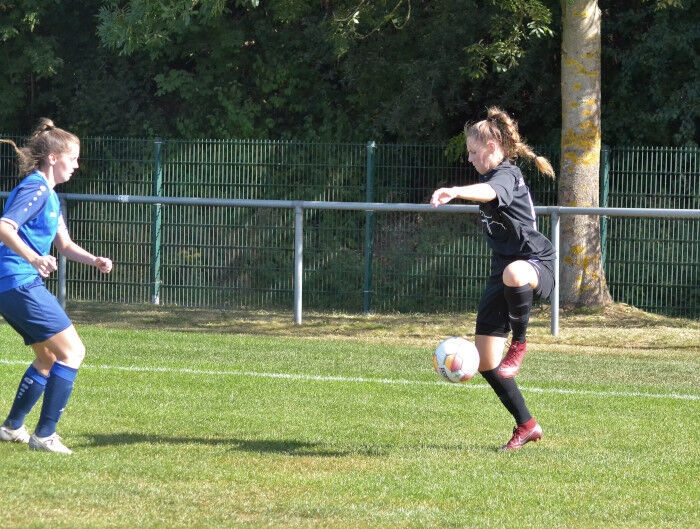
x,y
186,418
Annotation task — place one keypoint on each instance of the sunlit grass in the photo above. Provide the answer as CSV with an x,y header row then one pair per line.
x,y
184,418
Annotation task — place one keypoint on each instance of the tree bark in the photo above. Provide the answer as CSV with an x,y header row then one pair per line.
x,y
582,279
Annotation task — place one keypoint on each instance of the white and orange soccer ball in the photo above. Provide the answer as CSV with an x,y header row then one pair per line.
x,y
456,359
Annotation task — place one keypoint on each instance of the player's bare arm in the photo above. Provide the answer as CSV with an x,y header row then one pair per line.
x,y
70,250
474,193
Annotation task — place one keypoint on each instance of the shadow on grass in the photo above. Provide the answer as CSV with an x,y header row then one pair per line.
x,y
258,446
271,446
279,323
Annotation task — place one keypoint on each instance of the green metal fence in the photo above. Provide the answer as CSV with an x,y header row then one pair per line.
x,y
243,257
654,264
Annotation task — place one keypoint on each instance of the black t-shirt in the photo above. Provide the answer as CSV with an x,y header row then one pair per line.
x,y
509,220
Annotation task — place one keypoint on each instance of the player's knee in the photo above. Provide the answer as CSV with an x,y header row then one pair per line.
x,y
518,274
77,355
74,355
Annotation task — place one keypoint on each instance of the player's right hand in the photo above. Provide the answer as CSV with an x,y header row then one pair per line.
x,y
441,196
45,265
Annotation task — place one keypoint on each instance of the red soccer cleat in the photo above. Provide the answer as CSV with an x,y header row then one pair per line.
x,y
510,365
524,433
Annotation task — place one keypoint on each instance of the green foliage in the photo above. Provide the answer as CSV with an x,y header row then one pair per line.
x,y
650,60
154,26
287,69
510,26
389,71
28,55
231,71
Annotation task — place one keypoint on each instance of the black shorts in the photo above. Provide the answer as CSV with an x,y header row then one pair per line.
x,y
492,317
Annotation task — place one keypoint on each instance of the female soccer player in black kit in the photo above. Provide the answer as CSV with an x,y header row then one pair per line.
x,y
522,263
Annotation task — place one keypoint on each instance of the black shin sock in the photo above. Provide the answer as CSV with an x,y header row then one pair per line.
x,y
510,395
519,301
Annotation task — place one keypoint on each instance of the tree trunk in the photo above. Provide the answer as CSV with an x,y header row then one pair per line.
x,y
582,279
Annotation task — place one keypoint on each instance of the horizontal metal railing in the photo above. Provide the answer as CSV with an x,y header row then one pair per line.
x,y
299,206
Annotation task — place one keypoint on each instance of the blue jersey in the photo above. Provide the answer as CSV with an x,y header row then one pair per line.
x,y
34,208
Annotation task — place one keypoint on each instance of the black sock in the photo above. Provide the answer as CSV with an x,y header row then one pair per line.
x,y
510,395
519,301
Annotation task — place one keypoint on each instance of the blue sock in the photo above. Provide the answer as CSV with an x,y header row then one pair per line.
x,y
28,394
58,390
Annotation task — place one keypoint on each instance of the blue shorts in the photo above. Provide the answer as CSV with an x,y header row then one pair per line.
x,y
33,312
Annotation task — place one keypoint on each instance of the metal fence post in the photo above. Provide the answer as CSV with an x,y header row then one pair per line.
x,y
62,267
157,221
298,260
369,225
554,298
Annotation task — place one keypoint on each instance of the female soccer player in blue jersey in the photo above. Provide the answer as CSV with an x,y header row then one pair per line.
x,y
31,222
522,264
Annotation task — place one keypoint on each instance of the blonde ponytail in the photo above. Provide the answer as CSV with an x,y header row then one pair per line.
x,y
499,126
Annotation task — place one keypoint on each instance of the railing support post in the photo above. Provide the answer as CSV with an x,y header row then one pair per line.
x,y
555,294
62,267
369,226
298,260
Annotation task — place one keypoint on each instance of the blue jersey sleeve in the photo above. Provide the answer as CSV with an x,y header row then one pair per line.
x,y
27,203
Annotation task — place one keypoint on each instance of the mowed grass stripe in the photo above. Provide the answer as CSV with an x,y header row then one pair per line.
x,y
365,380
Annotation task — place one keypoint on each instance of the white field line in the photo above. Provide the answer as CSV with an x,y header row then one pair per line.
x,y
363,380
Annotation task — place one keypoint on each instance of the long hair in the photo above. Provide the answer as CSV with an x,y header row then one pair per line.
x,y
500,127
46,139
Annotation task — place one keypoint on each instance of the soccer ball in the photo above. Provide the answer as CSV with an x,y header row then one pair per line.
x,y
456,359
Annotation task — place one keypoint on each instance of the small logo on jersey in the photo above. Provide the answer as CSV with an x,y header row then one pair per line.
x,y
488,222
